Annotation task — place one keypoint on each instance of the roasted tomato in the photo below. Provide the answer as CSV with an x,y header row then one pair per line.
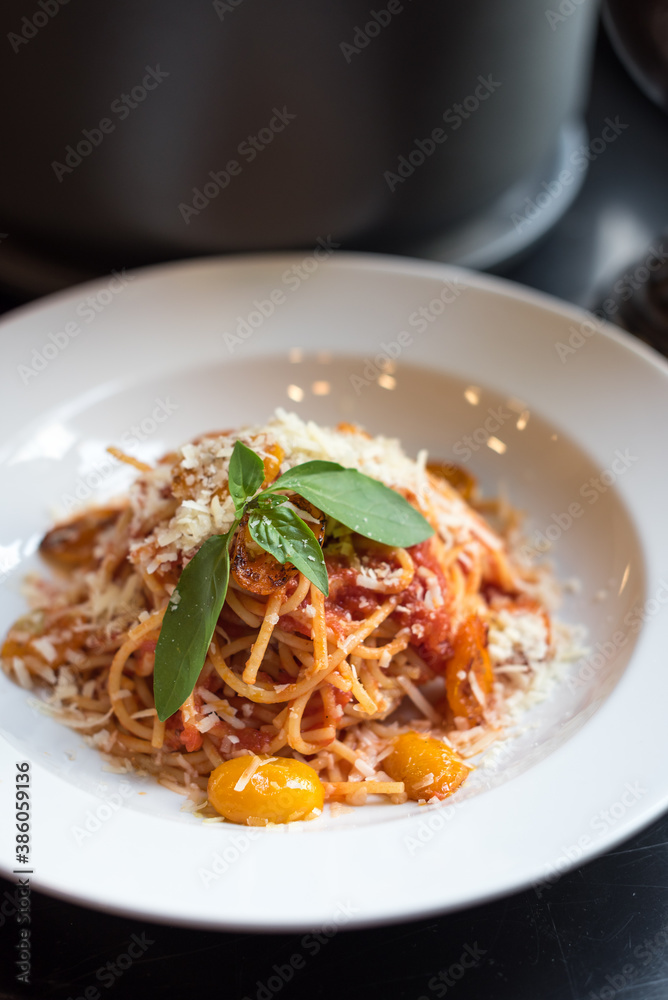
x,y
274,455
469,659
73,543
427,766
458,477
258,571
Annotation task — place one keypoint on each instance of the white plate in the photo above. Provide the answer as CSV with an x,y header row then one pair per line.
x,y
154,353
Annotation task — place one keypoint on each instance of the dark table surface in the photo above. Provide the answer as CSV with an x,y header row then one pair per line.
x,y
600,931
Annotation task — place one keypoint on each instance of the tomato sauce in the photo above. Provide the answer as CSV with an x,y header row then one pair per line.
x,y
431,628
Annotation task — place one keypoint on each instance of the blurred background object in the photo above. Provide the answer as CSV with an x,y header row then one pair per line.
x,y
574,941
638,30
641,295
141,133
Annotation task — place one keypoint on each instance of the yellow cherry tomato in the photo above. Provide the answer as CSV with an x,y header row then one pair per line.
x,y
278,790
426,766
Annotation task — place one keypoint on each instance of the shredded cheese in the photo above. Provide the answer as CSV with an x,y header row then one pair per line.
x,y
255,764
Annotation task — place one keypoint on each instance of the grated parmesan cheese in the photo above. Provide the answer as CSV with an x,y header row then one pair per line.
x,y
45,648
255,764
514,635
22,673
210,509
207,723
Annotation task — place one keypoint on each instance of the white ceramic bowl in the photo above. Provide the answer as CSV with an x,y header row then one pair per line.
x,y
155,357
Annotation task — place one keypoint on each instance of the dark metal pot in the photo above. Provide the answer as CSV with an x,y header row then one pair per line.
x,y
142,131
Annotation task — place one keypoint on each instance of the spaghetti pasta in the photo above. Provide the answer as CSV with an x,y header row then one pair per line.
x,y
407,640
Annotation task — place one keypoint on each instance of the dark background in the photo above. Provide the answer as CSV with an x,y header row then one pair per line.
x,y
602,930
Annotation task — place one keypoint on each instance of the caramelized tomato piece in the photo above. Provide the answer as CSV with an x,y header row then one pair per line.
x,y
191,738
253,568
426,766
470,656
73,543
458,477
258,571
274,455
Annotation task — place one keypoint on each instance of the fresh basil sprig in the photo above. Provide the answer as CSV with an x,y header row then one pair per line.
x,y
246,476
281,532
188,624
360,503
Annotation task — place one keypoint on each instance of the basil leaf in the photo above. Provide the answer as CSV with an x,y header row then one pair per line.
x,y
188,626
361,503
300,472
282,533
246,475
266,500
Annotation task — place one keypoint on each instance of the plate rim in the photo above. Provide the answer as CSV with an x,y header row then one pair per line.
x,y
345,260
